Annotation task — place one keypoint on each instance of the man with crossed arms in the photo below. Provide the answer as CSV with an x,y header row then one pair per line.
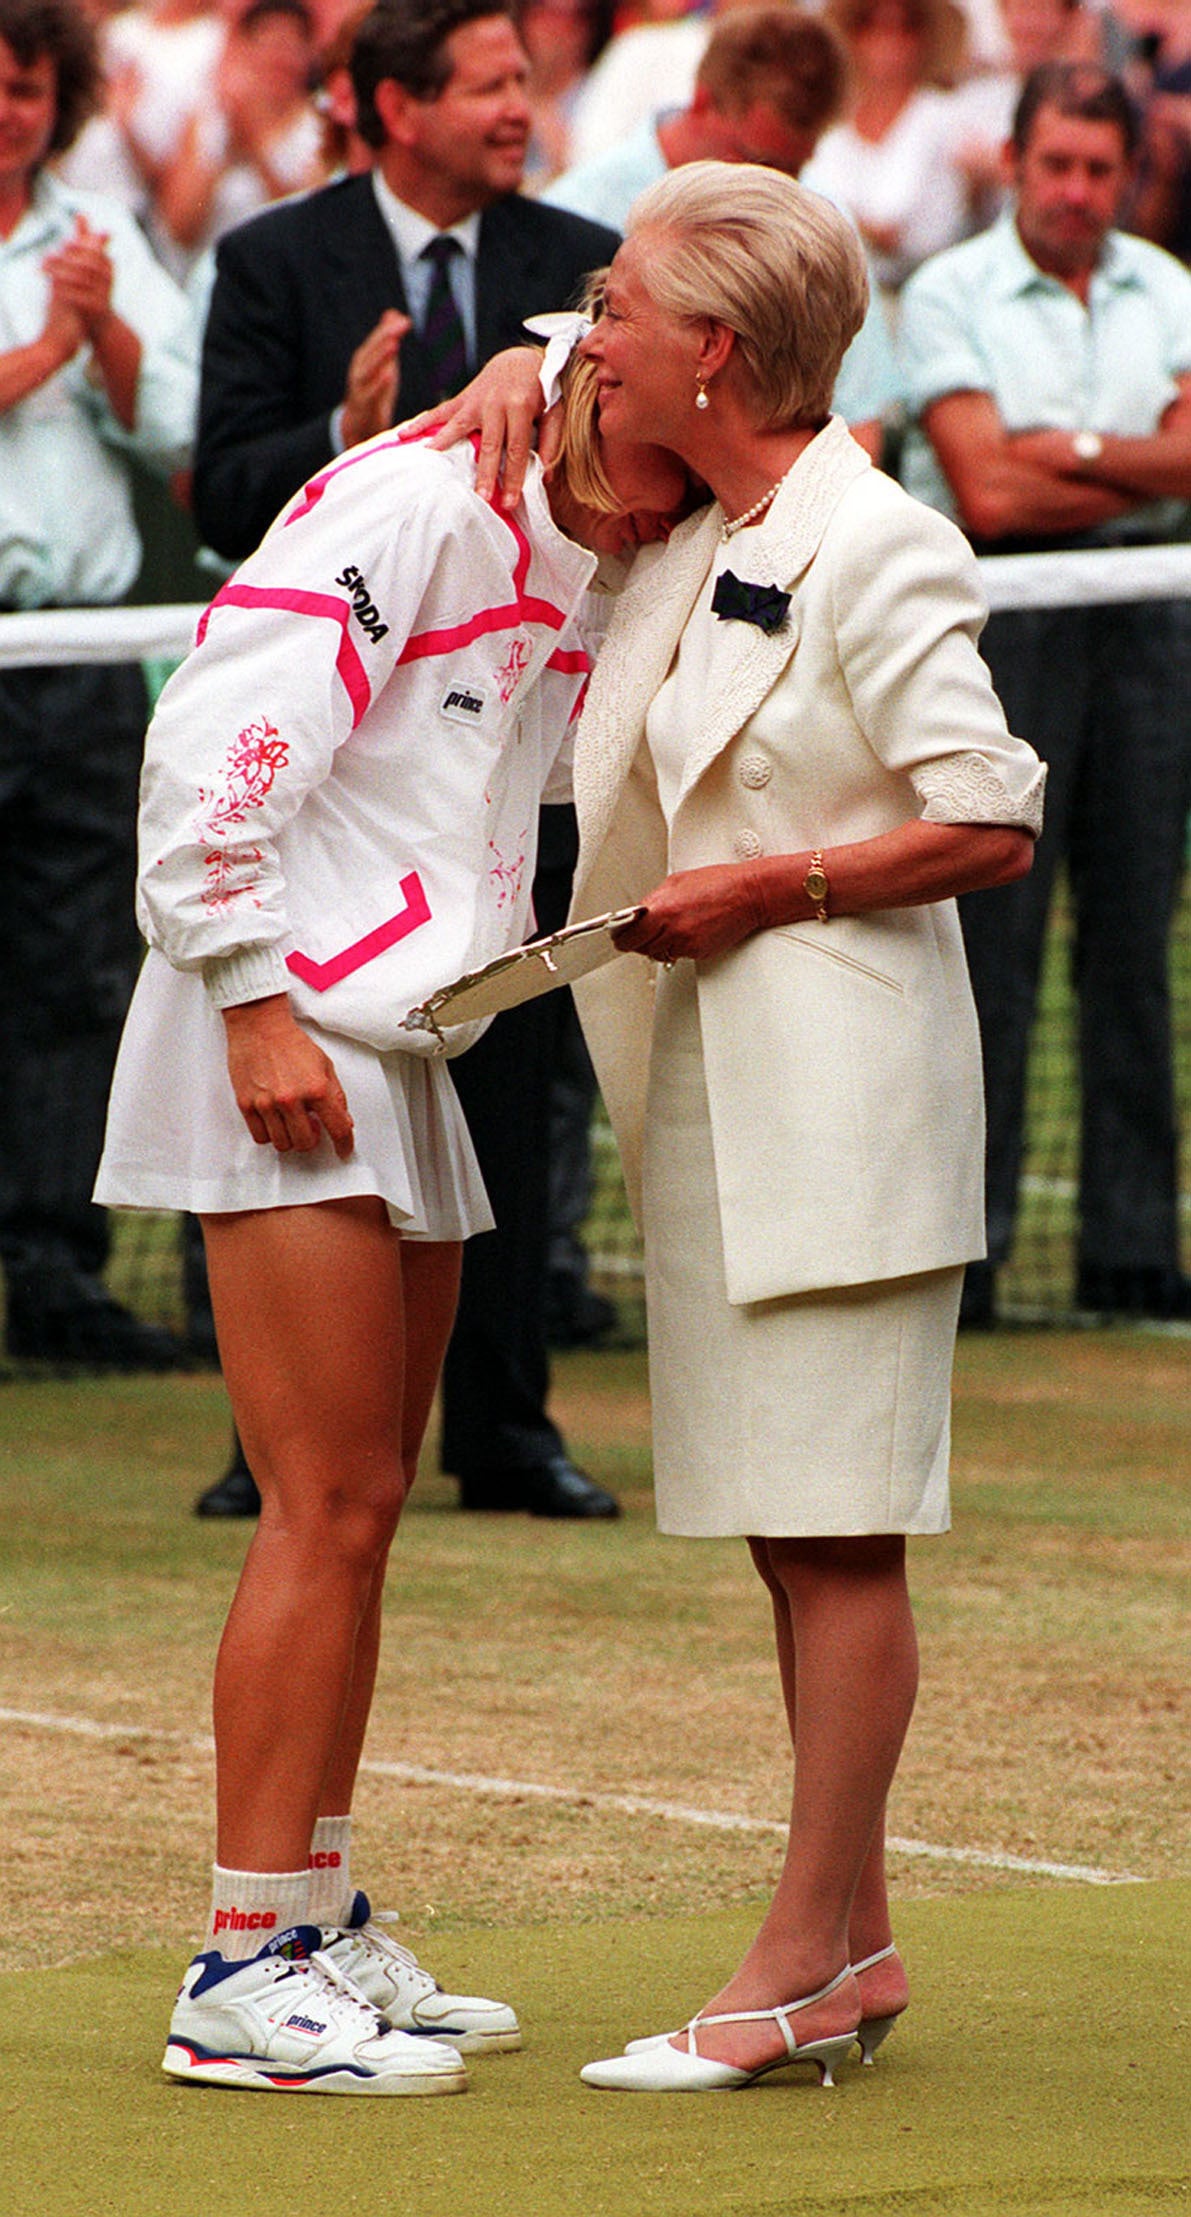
x,y
1048,366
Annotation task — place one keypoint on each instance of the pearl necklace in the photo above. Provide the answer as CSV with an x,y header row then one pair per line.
x,y
728,530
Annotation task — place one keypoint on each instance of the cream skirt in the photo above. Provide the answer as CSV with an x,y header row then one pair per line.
x,y
821,1414
176,1140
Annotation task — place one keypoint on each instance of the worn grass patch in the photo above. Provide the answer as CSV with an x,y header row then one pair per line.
x,y
598,1661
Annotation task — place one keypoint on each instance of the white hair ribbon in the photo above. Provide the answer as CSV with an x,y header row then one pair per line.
x,y
562,334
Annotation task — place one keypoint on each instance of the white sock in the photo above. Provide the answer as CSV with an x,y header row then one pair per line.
x,y
249,1907
331,1889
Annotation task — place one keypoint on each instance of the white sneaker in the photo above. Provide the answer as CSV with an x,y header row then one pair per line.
x,y
289,2020
395,1983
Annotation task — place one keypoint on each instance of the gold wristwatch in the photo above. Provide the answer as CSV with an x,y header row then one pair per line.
x,y
816,887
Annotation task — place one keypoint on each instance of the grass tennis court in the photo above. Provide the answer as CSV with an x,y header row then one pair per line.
x,y
575,1795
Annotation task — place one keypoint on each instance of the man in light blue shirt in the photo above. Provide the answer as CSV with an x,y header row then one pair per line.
x,y
98,360
770,81
1048,371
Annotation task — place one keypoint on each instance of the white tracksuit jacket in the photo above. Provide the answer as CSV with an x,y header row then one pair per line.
x,y
342,782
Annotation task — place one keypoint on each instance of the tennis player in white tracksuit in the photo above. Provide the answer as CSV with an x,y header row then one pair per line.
x,y
340,803
339,814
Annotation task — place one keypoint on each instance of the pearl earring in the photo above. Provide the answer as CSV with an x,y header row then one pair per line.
x,y
701,399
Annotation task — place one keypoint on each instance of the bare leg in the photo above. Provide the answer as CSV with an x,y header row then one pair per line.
x,y
885,1989
310,1310
430,1281
856,1666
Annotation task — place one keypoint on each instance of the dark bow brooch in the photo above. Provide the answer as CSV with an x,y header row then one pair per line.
x,y
763,605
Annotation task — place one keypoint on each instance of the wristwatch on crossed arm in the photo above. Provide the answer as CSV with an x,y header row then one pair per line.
x,y
816,887
1087,446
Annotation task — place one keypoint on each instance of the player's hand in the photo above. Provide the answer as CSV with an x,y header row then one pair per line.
x,y
374,379
503,403
286,1088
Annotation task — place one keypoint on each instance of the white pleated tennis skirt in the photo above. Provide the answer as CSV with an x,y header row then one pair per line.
x,y
176,1140
818,1415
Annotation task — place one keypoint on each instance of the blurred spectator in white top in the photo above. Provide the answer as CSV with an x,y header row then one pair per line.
x,y
159,64
649,65
562,39
652,65
772,79
890,162
258,139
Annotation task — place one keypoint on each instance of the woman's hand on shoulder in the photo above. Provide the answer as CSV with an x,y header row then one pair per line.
x,y
285,1086
698,913
503,403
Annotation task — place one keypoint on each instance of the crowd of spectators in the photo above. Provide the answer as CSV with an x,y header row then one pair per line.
x,y
201,112
214,107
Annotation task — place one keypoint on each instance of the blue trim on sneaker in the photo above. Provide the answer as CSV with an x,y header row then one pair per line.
x,y
297,1944
277,2074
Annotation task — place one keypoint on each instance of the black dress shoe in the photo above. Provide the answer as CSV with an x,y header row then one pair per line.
x,y
235,1494
553,1489
90,1331
558,1489
1156,1290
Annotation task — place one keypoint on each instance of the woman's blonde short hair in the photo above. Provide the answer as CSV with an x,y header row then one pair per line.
x,y
780,266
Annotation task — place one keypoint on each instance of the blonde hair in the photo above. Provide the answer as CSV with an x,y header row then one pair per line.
x,y
578,462
746,246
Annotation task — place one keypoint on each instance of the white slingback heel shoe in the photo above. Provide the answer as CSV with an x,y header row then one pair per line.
x,y
869,2032
872,2030
654,2067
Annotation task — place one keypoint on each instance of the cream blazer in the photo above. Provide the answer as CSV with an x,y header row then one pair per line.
x,y
842,1060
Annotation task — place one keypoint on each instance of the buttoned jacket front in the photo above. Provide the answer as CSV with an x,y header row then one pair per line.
x,y
842,1060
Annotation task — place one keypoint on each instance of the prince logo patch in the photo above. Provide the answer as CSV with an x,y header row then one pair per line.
x,y
463,704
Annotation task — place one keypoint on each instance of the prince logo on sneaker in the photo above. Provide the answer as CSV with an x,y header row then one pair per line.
x,y
289,2020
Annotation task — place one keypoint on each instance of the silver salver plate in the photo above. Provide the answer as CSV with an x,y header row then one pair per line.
x,y
540,966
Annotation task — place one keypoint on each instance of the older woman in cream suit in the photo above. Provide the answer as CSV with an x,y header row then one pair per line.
x,y
793,757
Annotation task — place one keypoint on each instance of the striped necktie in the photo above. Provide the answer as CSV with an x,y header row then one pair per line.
x,y
442,329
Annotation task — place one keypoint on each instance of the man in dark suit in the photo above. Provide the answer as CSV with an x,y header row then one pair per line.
x,y
309,343
329,316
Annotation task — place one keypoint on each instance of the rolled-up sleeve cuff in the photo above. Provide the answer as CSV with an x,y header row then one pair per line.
x,y
969,789
250,974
